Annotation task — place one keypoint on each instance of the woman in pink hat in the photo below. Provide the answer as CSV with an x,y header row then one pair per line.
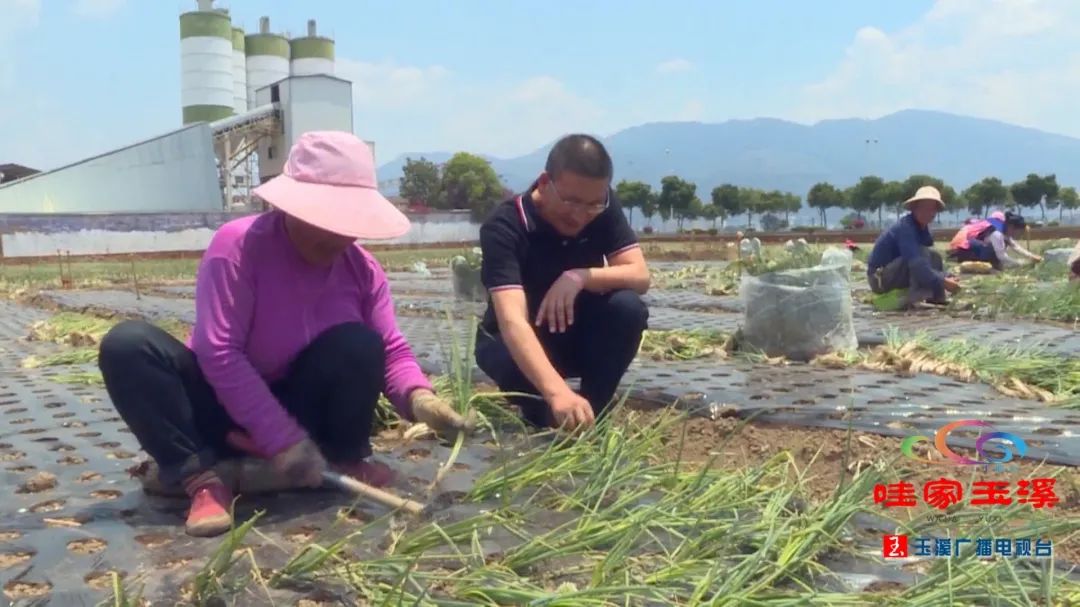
x,y
295,339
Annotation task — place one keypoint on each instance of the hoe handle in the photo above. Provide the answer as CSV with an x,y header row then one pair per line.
x,y
375,494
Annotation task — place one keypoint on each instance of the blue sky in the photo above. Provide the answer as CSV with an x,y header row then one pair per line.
x,y
505,78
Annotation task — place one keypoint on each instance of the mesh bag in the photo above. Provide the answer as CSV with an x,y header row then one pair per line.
x,y
802,313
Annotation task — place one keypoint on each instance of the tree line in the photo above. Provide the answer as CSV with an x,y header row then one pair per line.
x,y
467,181
873,194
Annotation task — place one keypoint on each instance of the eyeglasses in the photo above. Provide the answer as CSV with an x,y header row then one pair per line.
x,y
591,209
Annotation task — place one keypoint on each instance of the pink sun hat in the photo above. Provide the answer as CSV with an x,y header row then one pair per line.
x,y
329,182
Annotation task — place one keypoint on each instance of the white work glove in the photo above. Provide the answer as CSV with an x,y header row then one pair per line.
x,y
437,414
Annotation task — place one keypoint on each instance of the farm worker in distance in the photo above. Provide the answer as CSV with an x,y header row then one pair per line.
x,y
903,257
555,310
987,240
294,340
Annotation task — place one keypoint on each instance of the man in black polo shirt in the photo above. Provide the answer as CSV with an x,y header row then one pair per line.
x,y
554,309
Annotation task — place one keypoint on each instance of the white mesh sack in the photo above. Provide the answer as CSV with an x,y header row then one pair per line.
x,y
803,313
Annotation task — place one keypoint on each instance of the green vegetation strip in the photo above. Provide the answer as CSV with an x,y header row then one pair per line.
x,y
1008,367
685,344
1040,292
609,518
614,515
83,333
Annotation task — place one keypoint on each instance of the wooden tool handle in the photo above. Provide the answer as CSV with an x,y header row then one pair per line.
x,y
373,493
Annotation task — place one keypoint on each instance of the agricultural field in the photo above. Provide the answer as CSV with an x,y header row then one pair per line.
x,y
726,475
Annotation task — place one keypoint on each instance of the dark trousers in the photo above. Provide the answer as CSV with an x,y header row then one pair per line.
x,y
155,383
597,348
897,275
977,251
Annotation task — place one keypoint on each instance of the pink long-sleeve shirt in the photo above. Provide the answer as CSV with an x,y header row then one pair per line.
x,y
258,304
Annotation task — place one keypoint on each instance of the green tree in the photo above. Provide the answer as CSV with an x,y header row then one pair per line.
x,y
694,211
891,196
676,196
1051,190
773,201
713,213
824,196
865,195
726,198
954,203
985,194
751,201
420,182
634,195
1036,191
469,182
1069,200
648,210
1027,193
792,204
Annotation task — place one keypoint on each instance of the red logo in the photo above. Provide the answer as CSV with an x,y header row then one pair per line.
x,y
894,546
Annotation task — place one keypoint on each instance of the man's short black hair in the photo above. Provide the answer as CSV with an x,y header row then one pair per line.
x,y
580,154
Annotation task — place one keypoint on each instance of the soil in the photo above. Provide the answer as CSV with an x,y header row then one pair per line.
x,y
100,580
302,535
10,559
21,590
49,506
42,481
153,540
87,546
825,459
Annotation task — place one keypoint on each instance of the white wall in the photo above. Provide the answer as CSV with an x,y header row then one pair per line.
x,y
174,172
102,242
445,227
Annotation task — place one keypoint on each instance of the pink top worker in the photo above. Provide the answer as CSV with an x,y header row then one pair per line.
x,y
294,341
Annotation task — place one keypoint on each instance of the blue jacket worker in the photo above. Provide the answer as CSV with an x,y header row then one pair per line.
x,y
565,274
903,256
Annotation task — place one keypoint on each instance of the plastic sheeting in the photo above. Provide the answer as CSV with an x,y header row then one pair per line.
x,y
801,313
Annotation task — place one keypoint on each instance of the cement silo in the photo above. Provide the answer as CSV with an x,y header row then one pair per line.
x,y
267,59
206,64
240,91
312,54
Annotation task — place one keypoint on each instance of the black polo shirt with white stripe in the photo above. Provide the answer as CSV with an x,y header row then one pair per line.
x,y
522,251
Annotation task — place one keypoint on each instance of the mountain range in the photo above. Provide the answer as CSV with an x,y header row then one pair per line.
x,y
771,154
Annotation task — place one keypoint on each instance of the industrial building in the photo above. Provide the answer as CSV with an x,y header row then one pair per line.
x,y
244,98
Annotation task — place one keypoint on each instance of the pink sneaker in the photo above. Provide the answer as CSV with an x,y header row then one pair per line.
x,y
373,473
210,510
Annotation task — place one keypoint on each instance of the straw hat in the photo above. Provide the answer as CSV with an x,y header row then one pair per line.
x,y
329,182
927,192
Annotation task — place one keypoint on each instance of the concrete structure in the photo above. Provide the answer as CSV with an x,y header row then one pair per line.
x,y
240,91
174,172
206,64
312,54
234,133
267,59
307,103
